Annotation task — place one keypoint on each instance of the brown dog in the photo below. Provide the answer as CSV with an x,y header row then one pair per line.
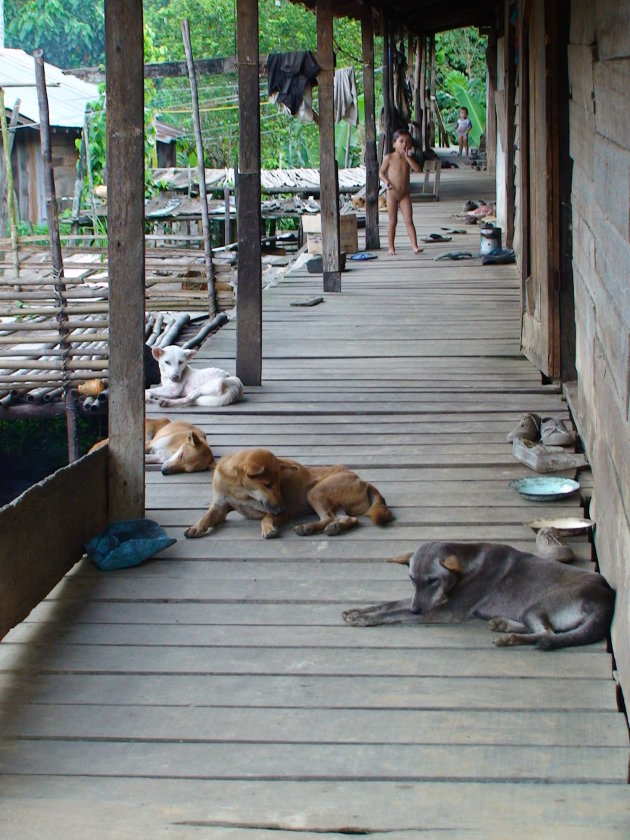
x,y
176,445
261,486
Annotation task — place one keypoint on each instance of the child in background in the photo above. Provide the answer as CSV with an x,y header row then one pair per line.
x,y
464,126
395,173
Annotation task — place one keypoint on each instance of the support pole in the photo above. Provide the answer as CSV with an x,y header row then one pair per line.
x,y
491,112
125,223
432,89
372,238
328,183
387,75
203,198
247,182
6,146
55,250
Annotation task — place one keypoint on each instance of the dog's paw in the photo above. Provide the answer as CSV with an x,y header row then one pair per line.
x,y
269,533
333,529
505,641
498,624
358,618
302,530
193,532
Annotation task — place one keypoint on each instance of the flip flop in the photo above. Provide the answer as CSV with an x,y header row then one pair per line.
x,y
454,255
453,230
363,255
311,302
499,256
436,237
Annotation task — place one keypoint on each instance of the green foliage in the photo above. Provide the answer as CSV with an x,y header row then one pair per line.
x,y
460,90
70,32
461,78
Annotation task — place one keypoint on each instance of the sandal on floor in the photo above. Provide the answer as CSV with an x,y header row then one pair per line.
x,y
554,432
499,256
549,545
454,230
454,255
363,255
528,428
437,237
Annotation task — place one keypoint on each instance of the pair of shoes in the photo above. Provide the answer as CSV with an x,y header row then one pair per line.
x,y
550,546
528,428
553,432
437,237
499,256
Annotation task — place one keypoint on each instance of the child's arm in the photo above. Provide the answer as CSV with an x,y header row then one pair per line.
x,y
412,162
382,172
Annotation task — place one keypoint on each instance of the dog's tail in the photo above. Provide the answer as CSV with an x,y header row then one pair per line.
x,y
231,392
378,511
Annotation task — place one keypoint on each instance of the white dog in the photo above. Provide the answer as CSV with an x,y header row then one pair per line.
x,y
183,385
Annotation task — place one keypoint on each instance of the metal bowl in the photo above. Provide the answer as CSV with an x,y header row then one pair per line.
x,y
564,526
545,488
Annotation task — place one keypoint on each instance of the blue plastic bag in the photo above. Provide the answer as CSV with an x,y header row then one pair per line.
x,y
128,543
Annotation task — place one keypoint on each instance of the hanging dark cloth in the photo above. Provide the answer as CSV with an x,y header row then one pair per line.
x,y
289,73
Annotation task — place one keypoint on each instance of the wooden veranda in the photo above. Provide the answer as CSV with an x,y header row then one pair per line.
x,y
216,692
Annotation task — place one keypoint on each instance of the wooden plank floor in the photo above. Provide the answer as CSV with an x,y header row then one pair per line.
x,y
216,692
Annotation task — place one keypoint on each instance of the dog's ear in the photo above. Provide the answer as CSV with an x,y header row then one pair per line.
x,y
157,353
253,469
452,564
289,467
189,353
403,559
193,438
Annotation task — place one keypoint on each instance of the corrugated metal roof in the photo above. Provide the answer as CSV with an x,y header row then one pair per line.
x,y
67,95
66,99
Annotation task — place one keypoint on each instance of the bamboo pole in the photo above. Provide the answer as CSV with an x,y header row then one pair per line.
x,y
88,166
10,188
207,246
55,242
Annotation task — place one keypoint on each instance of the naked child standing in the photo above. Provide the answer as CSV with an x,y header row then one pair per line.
x,y
395,173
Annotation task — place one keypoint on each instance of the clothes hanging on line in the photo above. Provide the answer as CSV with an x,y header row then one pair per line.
x,y
345,96
288,74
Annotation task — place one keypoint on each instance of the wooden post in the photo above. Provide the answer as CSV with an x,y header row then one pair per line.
x,y
78,185
491,112
387,72
328,184
423,93
12,210
249,286
88,166
418,93
125,223
203,198
432,88
55,249
372,238
509,62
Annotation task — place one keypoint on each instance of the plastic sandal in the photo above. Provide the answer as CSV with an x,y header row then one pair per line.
x,y
454,255
499,256
363,255
437,237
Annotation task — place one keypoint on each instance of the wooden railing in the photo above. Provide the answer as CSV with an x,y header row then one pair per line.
x,y
42,533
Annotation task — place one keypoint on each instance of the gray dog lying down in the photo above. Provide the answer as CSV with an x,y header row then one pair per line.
x,y
535,601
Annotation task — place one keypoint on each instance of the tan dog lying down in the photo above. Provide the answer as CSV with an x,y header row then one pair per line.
x,y
534,600
261,486
178,446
